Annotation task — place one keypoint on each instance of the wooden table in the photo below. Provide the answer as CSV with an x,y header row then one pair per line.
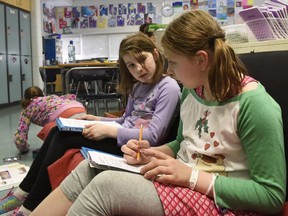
x,y
63,68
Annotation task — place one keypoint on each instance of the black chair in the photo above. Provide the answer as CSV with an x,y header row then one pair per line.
x,y
48,76
271,69
92,84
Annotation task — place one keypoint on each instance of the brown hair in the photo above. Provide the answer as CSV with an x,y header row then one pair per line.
x,y
135,45
145,29
29,94
197,30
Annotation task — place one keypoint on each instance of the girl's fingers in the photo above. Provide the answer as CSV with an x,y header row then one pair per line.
x,y
154,153
128,151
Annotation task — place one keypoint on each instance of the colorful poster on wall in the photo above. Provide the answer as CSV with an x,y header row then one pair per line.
x,y
139,19
88,17
247,3
130,19
122,9
121,21
102,21
112,21
112,9
222,11
76,13
132,8
84,23
49,18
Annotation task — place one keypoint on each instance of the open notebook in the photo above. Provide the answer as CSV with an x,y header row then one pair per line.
x,y
103,160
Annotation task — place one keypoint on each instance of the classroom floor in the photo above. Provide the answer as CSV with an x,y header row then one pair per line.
x,y
9,117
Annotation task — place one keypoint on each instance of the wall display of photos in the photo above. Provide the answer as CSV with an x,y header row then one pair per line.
x,y
67,20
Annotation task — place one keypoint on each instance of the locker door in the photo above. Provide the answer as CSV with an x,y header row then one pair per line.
x,y
14,78
3,80
12,31
26,76
2,30
25,33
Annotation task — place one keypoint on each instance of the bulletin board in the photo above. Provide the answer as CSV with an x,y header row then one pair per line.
x,y
97,27
126,15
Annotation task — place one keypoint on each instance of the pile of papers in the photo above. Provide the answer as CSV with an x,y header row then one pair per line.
x,y
268,21
12,174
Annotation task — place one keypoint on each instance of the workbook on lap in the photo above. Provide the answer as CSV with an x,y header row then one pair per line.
x,y
103,160
77,125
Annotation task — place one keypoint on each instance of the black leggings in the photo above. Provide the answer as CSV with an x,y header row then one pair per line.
x,y
37,182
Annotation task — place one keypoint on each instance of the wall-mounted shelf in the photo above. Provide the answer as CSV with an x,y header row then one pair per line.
x,y
261,46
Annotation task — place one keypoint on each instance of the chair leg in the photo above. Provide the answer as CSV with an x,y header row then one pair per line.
x,y
106,105
119,104
77,89
95,107
52,89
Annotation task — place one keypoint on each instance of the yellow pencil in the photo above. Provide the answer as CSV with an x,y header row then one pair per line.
x,y
140,138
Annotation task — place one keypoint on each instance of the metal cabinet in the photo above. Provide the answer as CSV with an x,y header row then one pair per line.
x,y
12,31
26,72
2,30
25,33
3,59
25,50
3,80
14,78
15,53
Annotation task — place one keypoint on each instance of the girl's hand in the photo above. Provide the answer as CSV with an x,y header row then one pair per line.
x,y
131,150
98,131
165,169
89,117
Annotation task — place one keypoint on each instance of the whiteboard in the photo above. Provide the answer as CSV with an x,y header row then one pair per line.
x,y
114,43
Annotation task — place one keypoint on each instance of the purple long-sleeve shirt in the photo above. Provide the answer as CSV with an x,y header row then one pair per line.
x,y
153,106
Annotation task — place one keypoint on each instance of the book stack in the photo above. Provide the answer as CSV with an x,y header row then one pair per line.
x,y
269,21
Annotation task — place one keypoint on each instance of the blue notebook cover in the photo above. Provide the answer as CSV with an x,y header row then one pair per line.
x,y
62,127
84,152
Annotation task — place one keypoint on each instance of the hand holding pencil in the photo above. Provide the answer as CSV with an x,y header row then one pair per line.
x,y
140,138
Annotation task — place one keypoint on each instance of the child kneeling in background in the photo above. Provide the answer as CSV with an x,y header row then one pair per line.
x,y
43,110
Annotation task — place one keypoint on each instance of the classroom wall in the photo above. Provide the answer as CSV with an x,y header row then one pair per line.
x,y
98,41
104,42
